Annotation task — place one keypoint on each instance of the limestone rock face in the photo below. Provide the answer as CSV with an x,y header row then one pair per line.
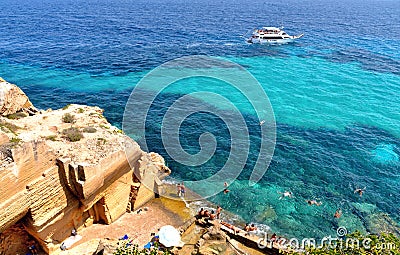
x,y
14,240
51,185
88,248
94,247
13,99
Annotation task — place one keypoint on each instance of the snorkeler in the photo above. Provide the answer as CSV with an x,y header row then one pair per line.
x,y
288,194
338,213
360,191
313,202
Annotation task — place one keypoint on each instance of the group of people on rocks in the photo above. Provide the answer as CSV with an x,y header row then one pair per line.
x,y
249,228
211,215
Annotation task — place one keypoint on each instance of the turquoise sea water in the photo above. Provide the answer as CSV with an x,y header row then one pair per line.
x,y
334,92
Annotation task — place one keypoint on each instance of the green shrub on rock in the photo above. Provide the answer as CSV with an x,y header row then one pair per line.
x,y
51,138
89,130
66,107
16,116
68,118
126,248
8,127
72,134
15,140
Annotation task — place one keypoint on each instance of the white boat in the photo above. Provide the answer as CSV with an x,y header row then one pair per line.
x,y
271,35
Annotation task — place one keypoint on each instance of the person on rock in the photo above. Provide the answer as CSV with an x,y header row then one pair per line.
x,y
32,247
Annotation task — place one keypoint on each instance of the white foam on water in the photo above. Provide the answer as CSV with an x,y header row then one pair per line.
x,y
192,45
262,230
169,182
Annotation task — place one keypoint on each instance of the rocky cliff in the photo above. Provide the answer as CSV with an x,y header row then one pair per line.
x,y
65,169
13,99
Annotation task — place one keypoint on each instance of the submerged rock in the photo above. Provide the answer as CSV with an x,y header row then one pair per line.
x,y
267,216
352,223
365,207
385,154
382,222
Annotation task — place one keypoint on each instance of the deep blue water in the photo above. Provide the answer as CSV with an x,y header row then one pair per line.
x,y
334,92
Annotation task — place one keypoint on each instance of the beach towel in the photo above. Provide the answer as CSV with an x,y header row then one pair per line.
x,y
70,241
148,245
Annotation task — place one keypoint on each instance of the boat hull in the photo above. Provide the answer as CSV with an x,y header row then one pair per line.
x,y
274,41
266,41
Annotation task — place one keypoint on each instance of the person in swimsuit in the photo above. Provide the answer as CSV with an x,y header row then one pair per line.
x,y
212,215
288,194
313,202
226,190
219,209
183,190
360,191
178,186
338,213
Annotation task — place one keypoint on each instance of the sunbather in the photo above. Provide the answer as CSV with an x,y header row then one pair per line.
x,y
219,209
155,241
201,213
231,227
253,228
273,237
212,215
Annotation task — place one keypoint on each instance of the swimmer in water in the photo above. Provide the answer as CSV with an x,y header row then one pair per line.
x,y
313,202
262,122
338,213
360,191
288,194
226,190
